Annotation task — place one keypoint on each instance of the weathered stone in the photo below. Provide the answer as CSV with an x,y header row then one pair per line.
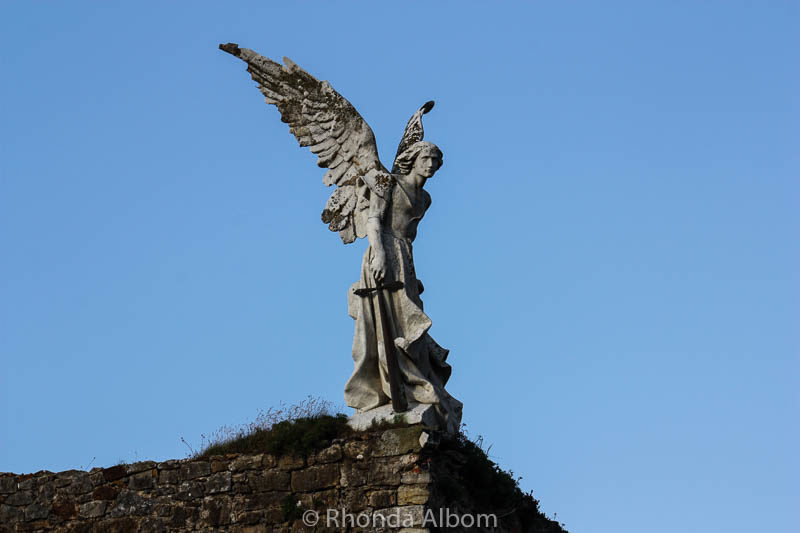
x,y
93,509
416,475
65,509
114,473
189,490
329,454
219,466
246,462
37,511
412,494
8,485
141,481
130,503
270,480
26,482
172,464
194,470
220,482
356,449
404,516
106,492
23,497
315,477
10,514
291,462
215,513
398,441
251,529
141,466
168,477
381,498
80,485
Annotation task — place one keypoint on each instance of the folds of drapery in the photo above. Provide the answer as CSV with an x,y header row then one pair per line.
x,y
421,360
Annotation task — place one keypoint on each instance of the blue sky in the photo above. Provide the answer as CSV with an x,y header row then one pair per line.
x,y
611,255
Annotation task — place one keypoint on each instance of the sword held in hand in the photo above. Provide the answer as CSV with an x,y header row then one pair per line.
x,y
399,402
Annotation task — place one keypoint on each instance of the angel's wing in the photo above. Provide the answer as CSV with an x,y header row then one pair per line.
x,y
330,126
414,131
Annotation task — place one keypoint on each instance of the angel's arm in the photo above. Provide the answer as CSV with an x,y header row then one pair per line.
x,y
377,210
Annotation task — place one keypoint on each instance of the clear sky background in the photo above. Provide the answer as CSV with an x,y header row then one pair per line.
x,y
611,255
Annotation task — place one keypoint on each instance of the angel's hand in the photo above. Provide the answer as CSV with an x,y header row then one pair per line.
x,y
378,266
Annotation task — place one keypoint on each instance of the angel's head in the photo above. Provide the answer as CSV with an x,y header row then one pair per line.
x,y
422,157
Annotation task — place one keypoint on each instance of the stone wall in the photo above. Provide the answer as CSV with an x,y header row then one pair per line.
x,y
395,479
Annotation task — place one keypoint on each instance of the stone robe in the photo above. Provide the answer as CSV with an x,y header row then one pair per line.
x,y
421,360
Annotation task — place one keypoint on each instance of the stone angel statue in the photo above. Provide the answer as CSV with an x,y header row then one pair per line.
x,y
399,368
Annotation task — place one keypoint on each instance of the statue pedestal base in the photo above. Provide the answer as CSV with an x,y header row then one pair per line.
x,y
418,413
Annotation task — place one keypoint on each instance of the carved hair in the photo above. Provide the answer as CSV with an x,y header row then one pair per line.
x,y
405,161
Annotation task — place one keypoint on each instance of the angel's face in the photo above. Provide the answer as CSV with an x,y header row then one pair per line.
x,y
427,163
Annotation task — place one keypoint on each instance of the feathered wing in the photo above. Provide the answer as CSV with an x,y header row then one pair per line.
x,y
330,126
414,131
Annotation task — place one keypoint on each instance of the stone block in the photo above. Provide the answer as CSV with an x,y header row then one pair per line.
x,y
315,477
412,494
219,482
141,481
381,498
23,497
247,462
357,450
189,490
106,492
168,477
291,462
195,469
65,509
398,441
8,485
270,480
92,509
114,473
415,475
141,466
329,455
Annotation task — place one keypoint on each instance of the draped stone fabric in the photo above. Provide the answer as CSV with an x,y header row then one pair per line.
x,y
422,361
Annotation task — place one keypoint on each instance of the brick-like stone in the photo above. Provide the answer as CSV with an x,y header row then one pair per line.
x,y
315,477
194,470
291,462
23,497
37,511
358,449
189,490
412,494
270,480
405,516
141,466
414,476
8,485
65,509
219,482
114,473
381,498
329,454
92,509
398,441
169,477
247,462
142,481
107,492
